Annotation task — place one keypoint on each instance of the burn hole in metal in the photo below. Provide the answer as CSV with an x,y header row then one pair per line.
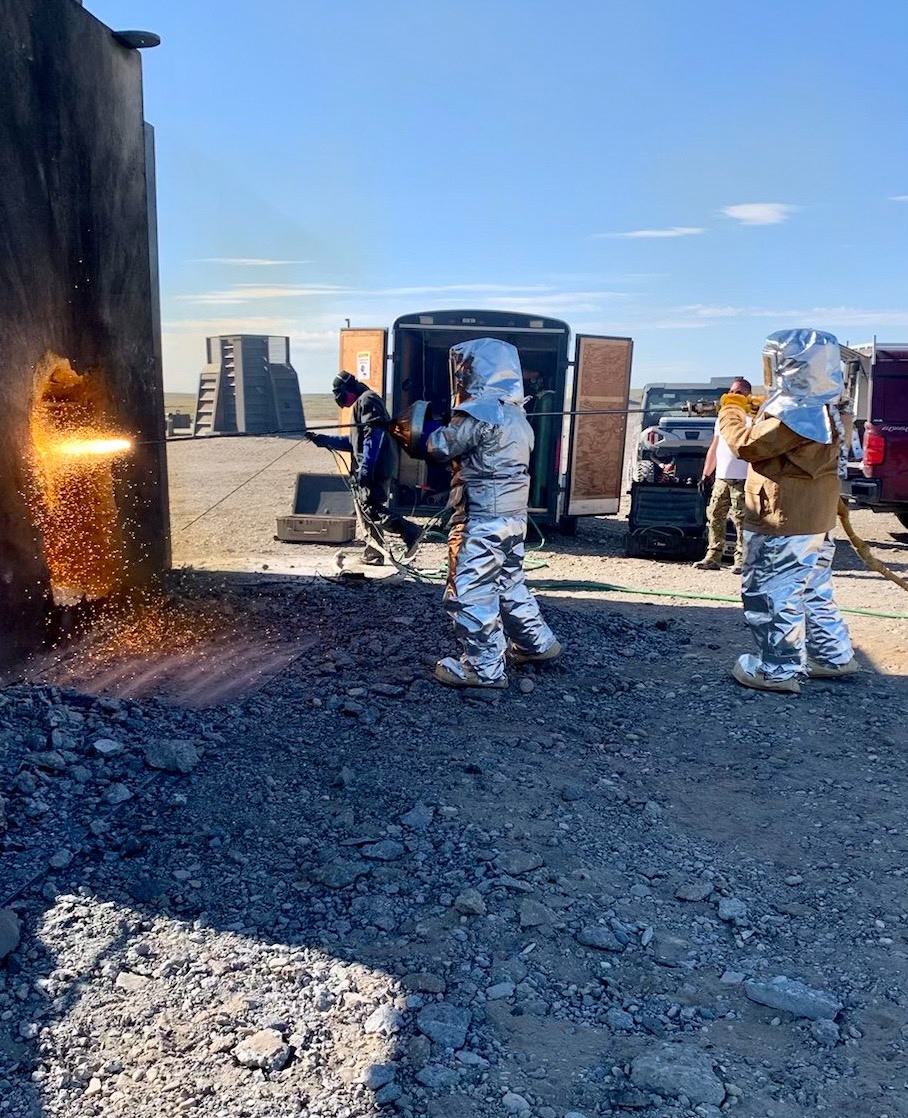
x,y
75,453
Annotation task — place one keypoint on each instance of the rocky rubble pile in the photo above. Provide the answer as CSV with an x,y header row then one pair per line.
x,y
356,893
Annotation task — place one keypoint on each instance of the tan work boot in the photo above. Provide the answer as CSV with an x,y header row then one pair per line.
x,y
818,670
551,653
707,565
451,678
759,682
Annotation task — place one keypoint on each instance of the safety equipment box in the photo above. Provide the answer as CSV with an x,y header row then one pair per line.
x,y
322,511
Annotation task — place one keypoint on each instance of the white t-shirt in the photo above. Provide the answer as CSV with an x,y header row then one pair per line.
x,y
729,468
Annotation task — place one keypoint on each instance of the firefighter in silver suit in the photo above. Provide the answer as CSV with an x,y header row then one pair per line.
x,y
796,448
488,443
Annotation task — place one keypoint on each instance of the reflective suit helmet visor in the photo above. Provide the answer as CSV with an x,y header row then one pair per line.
x,y
486,366
806,370
458,367
769,369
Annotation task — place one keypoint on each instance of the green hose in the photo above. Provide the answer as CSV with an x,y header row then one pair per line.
x,y
613,588
439,574
530,564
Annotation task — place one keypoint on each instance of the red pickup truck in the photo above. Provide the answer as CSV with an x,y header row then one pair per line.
x,y
876,379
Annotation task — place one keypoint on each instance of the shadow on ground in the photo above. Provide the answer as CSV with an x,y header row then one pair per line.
x,y
305,877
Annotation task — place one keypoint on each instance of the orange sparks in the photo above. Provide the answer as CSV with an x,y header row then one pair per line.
x,y
75,455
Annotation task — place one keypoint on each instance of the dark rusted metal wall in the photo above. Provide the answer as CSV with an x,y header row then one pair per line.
x,y
77,261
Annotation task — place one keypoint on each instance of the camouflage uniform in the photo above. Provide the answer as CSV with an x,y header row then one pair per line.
x,y
727,501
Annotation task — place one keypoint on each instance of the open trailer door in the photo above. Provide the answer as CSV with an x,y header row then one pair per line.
x,y
602,377
364,353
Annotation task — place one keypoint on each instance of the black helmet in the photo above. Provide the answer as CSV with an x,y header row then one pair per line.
x,y
344,383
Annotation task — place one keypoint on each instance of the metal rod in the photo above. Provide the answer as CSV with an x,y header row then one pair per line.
x,y
348,426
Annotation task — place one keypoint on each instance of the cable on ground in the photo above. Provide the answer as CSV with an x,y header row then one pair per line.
x,y
237,488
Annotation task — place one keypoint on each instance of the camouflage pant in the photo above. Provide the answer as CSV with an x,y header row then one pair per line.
x,y
726,502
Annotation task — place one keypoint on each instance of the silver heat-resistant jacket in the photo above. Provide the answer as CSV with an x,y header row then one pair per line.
x,y
786,586
488,441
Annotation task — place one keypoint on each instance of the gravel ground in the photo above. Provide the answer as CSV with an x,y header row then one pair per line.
x,y
623,886
239,536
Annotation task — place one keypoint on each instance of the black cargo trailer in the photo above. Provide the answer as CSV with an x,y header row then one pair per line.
x,y
576,466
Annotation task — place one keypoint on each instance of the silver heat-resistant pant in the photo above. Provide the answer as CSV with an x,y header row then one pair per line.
x,y
487,597
786,589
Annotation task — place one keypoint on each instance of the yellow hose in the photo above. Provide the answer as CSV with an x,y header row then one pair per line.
x,y
863,550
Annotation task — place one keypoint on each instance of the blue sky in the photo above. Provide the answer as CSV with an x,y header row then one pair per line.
x,y
692,173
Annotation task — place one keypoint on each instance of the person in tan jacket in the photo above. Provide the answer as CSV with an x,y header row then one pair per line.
x,y
794,448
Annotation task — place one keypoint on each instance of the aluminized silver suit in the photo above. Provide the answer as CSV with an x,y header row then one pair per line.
x,y
786,590
787,579
488,443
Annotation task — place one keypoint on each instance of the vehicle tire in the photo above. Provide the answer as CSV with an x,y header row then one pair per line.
x,y
902,518
567,525
644,471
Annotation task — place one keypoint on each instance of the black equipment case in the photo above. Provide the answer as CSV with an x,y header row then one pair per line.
x,y
666,521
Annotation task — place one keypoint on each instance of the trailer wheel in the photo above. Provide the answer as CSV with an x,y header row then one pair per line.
x,y
567,525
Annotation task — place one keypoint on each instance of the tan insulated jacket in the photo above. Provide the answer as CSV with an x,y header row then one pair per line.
x,y
792,486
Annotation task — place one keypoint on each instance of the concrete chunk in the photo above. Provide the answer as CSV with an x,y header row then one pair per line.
x,y
445,1024
265,1049
672,1070
794,997
600,938
172,755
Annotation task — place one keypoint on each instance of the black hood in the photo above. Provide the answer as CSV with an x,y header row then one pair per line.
x,y
344,383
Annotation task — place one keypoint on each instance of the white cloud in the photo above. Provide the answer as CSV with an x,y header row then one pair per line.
x,y
704,311
570,303
899,198
314,340
248,261
246,292
759,213
479,288
815,316
505,296
251,324
846,315
674,231
698,316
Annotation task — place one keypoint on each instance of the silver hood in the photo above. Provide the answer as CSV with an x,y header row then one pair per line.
x,y
807,376
488,371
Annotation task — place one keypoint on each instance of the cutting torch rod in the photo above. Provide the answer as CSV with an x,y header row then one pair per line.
x,y
348,426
